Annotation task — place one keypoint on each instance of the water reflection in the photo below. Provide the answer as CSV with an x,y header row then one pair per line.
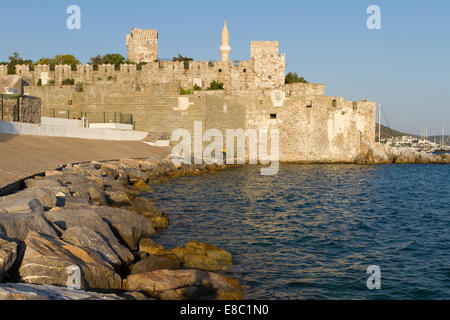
x,y
312,230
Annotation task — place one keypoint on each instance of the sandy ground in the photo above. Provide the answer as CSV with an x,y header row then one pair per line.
x,y
23,156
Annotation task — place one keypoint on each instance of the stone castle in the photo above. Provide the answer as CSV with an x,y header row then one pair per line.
x,y
312,126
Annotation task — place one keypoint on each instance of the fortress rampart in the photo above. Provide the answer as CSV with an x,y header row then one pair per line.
x,y
312,126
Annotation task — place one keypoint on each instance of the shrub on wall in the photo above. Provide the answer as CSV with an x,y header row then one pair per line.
x,y
186,91
215,85
39,83
51,82
197,88
294,78
68,82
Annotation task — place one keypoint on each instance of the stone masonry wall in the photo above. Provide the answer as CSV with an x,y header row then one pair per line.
x,y
265,69
142,45
316,128
312,127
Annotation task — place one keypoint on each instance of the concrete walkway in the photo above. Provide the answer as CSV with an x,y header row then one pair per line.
x,y
22,156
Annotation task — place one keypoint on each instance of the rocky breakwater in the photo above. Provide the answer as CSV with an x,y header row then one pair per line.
x,y
85,231
384,154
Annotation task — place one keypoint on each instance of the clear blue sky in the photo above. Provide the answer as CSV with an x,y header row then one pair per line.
x,y
405,66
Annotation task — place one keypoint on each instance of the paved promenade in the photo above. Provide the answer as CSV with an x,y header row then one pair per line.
x,y
23,156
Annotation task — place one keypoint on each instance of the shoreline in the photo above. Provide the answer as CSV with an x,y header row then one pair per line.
x,y
114,191
60,214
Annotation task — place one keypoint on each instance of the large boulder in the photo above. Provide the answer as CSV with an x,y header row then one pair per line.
x,y
82,187
8,255
153,263
149,246
50,261
24,291
146,208
69,202
15,226
117,198
85,237
195,255
46,196
65,219
20,205
43,182
210,250
184,285
203,256
129,226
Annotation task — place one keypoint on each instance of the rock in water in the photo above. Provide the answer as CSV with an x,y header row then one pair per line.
x,y
117,198
203,256
50,261
151,247
184,285
209,250
146,208
23,291
8,255
153,263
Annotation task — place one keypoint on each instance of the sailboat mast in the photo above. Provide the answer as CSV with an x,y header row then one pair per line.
x,y
379,123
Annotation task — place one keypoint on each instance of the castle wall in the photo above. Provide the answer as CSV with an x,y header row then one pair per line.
x,y
316,128
235,76
312,127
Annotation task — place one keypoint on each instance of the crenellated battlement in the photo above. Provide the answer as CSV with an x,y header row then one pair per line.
x,y
235,75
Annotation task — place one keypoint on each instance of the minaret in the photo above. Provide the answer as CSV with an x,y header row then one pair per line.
x,y
225,48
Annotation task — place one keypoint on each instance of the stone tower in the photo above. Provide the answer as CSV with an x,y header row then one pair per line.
x,y
225,48
142,45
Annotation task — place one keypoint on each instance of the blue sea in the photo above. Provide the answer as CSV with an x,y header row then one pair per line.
x,y
311,231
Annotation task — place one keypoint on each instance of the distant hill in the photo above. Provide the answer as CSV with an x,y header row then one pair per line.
x,y
389,133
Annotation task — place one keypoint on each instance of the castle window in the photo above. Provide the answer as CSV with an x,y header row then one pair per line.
x,y
310,104
245,70
334,104
270,77
220,70
273,116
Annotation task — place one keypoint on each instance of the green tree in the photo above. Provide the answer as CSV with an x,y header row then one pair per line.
x,y
97,60
110,58
14,60
180,58
43,61
113,58
294,78
65,59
